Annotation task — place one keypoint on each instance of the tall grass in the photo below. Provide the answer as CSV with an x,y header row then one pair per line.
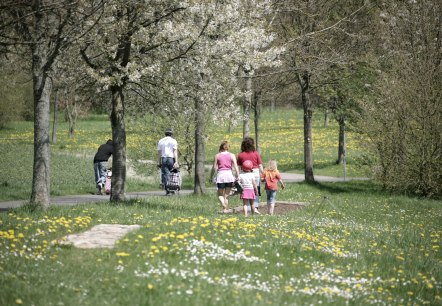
x,y
352,244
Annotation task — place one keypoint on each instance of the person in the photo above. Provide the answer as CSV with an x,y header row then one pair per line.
x,y
223,164
101,158
248,152
167,157
271,177
250,189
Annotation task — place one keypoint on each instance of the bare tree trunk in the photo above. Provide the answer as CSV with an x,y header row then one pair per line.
x,y
200,153
247,104
119,141
341,142
326,118
54,123
308,122
42,90
256,106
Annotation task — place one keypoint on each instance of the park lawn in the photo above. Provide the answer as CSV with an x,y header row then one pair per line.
x,y
351,244
71,158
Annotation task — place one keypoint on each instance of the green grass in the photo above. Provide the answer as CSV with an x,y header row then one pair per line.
x,y
71,158
352,244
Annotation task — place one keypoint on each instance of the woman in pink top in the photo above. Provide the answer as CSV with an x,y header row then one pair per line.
x,y
248,152
223,164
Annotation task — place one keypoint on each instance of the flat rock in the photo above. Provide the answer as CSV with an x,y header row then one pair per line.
x,y
99,236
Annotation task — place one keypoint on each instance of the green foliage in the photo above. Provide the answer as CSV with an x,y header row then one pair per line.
x,y
352,244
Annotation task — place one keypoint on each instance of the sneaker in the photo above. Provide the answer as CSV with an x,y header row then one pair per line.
x,y
100,187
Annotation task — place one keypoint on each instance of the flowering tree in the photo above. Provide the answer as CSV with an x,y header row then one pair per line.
x,y
180,56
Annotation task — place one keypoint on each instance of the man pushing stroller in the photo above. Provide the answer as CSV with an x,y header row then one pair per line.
x,y
167,157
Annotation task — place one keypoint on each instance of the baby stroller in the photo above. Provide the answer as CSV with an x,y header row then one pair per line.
x,y
173,185
108,184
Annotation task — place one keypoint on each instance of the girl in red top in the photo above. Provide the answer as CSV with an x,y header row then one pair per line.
x,y
248,152
271,177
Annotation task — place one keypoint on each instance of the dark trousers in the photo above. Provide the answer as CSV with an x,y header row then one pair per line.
x,y
166,167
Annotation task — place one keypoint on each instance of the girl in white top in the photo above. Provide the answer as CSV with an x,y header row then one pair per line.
x,y
248,183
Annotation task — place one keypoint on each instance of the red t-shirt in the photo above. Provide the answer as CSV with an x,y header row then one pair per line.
x,y
253,156
271,179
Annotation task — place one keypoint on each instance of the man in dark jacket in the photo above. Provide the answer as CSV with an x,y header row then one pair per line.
x,y
100,164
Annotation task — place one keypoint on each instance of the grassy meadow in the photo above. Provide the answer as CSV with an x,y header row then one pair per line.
x,y
71,158
352,244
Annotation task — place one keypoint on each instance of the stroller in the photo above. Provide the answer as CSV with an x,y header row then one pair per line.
x,y
108,184
173,185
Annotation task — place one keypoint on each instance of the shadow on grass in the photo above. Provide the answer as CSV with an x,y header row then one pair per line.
x,y
175,203
363,187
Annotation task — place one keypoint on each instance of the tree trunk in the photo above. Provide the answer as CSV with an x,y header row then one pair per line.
x,y
42,90
247,105
119,141
326,118
308,122
256,98
200,153
54,123
341,142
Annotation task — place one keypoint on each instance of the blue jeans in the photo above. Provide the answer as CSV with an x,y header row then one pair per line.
x,y
271,196
100,170
166,167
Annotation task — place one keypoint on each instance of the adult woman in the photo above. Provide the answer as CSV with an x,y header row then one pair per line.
x,y
248,152
223,164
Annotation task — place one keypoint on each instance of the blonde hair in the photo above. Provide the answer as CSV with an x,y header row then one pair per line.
x,y
272,165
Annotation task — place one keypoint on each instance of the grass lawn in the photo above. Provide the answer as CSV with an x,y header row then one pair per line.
x,y
353,244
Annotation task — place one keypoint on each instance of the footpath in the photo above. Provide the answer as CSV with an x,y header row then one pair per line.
x,y
71,200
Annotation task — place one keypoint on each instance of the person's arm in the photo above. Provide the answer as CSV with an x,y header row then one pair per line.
x,y
235,166
214,168
255,188
175,156
159,158
282,184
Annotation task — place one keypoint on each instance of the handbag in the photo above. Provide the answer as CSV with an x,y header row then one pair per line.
x,y
236,189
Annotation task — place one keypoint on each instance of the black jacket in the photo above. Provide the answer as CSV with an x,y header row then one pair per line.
x,y
104,152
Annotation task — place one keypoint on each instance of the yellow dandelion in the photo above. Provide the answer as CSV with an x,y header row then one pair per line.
x,y
18,301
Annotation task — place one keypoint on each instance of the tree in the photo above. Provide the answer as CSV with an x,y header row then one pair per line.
x,y
404,121
41,30
314,33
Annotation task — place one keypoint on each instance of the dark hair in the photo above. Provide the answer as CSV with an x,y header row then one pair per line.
x,y
224,146
109,141
168,132
248,145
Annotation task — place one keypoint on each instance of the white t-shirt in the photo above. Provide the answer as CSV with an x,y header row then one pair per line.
x,y
166,146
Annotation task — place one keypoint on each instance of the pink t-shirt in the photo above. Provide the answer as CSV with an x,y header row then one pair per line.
x,y
224,161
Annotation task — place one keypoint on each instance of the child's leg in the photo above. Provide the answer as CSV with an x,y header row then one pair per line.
x,y
244,206
268,201
272,200
253,209
271,208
